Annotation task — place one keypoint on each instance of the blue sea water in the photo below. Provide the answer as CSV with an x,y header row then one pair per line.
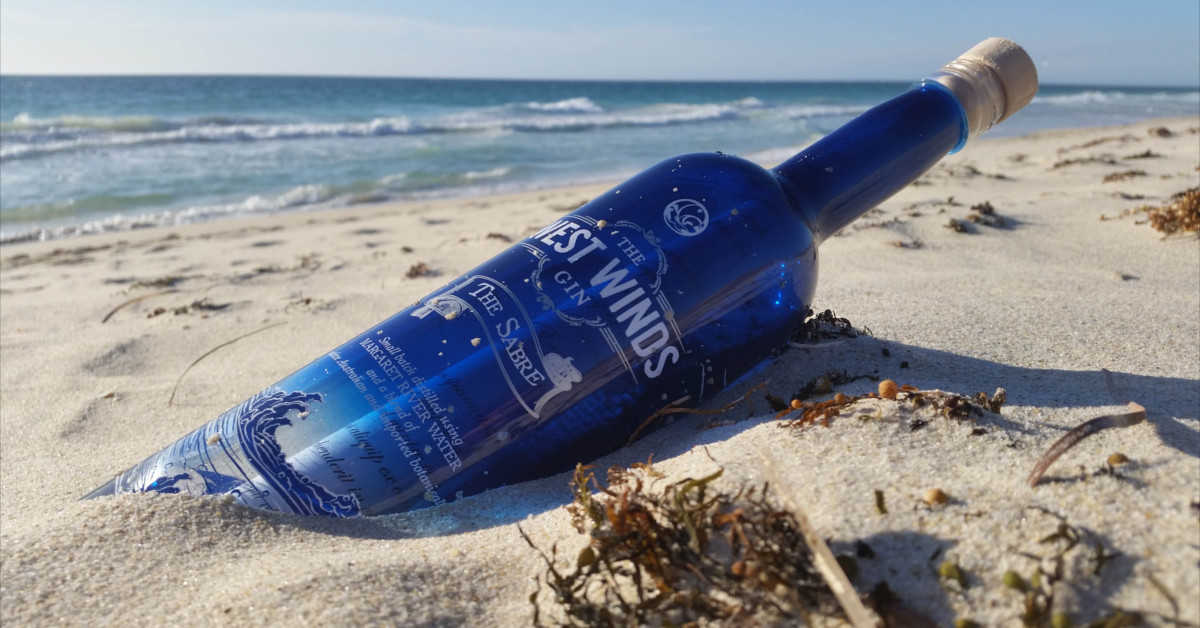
x,y
82,155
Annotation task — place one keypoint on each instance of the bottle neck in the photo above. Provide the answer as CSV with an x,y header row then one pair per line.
x,y
875,155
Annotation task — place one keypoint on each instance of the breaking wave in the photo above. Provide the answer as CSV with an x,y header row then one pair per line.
x,y
27,136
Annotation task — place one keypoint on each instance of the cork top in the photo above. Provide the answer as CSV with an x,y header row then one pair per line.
x,y
1016,71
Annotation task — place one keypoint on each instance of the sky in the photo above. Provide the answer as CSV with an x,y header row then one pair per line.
x,y
1098,42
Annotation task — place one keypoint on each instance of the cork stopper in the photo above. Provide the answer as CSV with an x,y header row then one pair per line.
x,y
1012,65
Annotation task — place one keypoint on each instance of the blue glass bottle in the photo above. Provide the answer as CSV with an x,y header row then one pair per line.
x,y
663,290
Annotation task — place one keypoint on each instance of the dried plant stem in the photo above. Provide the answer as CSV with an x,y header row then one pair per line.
x,y
1136,415
671,409
134,300
823,558
213,350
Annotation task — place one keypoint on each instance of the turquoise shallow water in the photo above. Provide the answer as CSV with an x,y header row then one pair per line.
x,y
87,154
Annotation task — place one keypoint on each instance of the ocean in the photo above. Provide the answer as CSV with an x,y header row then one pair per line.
x,y
81,155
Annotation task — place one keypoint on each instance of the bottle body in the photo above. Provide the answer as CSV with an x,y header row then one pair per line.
x,y
663,290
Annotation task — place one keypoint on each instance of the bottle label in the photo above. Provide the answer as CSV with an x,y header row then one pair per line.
x,y
534,377
609,276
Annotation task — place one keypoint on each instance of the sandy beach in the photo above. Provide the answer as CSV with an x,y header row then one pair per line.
x,y
103,343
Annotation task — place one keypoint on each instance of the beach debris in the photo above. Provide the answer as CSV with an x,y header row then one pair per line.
x,y
935,497
880,503
836,571
1107,160
1117,459
1060,567
1160,131
684,553
1014,581
824,326
675,408
969,171
166,281
175,388
199,305
949,405
499,236
1101,140
985,214
134,300
1180,215
420,269
1123,175
956,226
950,571
308,261
1136,415
1146,154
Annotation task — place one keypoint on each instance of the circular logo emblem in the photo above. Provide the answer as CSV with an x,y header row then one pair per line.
x,y
686,217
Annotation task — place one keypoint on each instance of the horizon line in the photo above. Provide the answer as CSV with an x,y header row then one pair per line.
x,y
537,80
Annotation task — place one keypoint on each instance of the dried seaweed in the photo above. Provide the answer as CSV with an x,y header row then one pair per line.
x,y
824,326
949,405
420,269
985,214
1123,175
1180,215
1107,160
199,305
1038,591
685,554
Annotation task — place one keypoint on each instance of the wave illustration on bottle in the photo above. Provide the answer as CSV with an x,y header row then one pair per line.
x,y
256,421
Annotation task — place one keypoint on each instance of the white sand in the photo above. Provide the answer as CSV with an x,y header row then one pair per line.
x,y
1038,307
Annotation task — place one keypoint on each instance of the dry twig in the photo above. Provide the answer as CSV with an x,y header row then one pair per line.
x,y
132,301
1136,415
213,350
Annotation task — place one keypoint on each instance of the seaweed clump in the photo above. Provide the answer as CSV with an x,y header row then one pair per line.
x,y
950,405
685,555
1180,215
825,326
